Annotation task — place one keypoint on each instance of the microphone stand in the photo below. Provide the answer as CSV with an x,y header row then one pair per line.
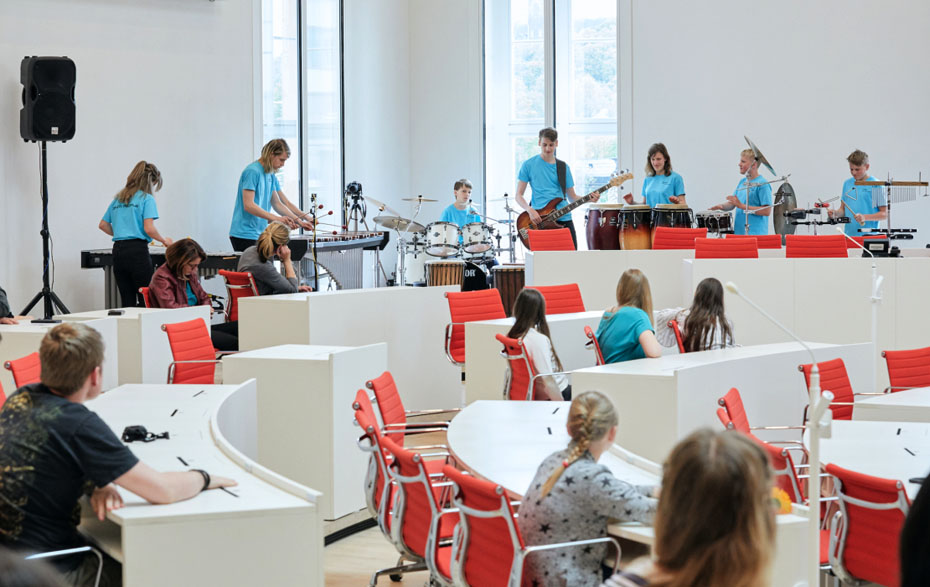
x,y
818,427
751,184
316,268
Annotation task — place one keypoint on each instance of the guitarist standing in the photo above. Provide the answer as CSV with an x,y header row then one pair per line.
x,y
550,179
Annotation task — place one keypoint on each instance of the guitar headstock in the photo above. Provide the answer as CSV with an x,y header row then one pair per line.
x,y
618,177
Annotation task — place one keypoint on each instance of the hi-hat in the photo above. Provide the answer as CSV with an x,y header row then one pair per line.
x,y
759,156
399,224
419,199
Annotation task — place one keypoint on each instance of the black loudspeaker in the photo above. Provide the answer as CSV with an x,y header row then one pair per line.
x,y
48,99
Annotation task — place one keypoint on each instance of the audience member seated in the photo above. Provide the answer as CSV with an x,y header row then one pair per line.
x,y
529,312
626,330
6,315
715,524
15,571
53,450
704,326
571,498
176,284
257,260
915,542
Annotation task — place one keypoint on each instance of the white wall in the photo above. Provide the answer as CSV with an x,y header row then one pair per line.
x,y
169,81
808,82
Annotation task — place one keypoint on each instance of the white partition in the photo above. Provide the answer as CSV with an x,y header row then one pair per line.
x,y
144,353
485,369
662,400
19,340
411,320
266,530
305,416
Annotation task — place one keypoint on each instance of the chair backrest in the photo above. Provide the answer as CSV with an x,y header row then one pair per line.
x,y
786,476
765,241
25,370
487,545
190,341
666,237
239,284
390,405
553,239
378,477
521,371
721,248
810,245
592,340
833,377
2,396
673,324
873,511
146,297
909,368
733,404
724,418
561,299
469,306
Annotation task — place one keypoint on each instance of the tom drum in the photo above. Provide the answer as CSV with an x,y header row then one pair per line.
x,y
442,239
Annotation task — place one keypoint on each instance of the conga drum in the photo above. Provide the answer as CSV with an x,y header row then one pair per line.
x,y
671,216
445,272
635,227
602,227
508,280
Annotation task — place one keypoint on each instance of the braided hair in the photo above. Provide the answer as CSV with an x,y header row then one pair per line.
x,y
590,418
145,177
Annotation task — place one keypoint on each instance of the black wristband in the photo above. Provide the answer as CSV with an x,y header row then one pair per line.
x,y
206,478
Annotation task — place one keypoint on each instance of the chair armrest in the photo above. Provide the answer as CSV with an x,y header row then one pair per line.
x,y
415,425
608,539
173,364
415,413
533,379
417,431
892,389
448,341
70,551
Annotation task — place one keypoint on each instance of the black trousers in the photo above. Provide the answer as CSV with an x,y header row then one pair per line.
x,y
132,268
571,227
241,244
225,336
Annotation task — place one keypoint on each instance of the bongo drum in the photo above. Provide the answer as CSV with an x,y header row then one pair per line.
x,y
602,227
508,280
635,227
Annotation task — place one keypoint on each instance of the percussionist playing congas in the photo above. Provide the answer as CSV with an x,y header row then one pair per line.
x,y
759,196
662,185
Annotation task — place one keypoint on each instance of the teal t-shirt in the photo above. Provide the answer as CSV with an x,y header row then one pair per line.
x,y
658,188
861,199
618,334
760,195
459,217
191,298
245,225
544,182
128,220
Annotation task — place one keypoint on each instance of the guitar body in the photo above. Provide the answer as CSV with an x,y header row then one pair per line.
x,y
524,223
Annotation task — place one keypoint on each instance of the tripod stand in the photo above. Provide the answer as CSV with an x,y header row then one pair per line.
x,y
51,301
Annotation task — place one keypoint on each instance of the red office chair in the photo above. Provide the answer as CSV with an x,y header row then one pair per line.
x,y
146,297
673,324
721,248
561,299
25,370
866,530
819,246
522,377
239,284
732,404
834,378
553,239
666,237
488,547
592,343
908,369
194,356
391,407
469,306
2,396
765,241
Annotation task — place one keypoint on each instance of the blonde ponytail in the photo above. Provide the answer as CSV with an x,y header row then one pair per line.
x,y
274,235
145,177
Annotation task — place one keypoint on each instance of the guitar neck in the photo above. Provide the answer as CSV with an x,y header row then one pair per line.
x,y
579,202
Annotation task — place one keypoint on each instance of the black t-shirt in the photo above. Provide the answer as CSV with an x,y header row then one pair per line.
x,y
50,448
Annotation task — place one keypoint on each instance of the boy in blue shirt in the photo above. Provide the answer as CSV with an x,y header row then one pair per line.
x,y
758,195
460,211
863,205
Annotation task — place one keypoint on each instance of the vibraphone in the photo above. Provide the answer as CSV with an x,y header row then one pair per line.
x,y
340,253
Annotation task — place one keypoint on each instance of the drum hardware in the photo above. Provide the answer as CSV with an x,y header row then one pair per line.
x,y
419,199
399,224
402,226
715,221
896,192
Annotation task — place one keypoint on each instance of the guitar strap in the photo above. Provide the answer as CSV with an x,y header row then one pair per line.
x,y
560,170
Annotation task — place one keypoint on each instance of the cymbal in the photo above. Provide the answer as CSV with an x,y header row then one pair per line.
x,y
419,199
399,224
788,201
381,206
759,156
505,199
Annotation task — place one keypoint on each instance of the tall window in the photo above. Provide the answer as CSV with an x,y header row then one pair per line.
x,y
551,63
281,86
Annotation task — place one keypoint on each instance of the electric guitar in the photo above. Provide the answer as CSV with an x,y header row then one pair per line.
x,y
549,215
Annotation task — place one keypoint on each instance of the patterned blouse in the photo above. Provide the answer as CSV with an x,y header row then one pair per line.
x,y
577,508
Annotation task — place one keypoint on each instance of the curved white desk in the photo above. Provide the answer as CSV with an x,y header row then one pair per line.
x,y
266,531
909,405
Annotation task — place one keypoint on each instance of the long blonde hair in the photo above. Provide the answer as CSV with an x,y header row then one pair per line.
x,y
590,418
274,235
273,148
633,290
715,524
144,176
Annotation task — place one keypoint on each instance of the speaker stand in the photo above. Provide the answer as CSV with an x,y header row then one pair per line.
x,y
46,294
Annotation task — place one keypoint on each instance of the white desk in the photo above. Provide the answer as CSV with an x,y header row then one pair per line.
x,y
411,320
19,340
662,400
144,352
485,369
525,433
909,405
305,416
270,534
878,449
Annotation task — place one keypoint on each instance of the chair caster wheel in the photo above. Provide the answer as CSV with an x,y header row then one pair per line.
x,y
396,578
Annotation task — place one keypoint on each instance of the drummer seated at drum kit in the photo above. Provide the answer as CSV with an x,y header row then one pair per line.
x,y
759,197
662,185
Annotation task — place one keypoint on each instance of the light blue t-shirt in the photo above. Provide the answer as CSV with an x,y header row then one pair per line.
x,y
191,298
459,217
657,188
760,195
128,220
618,334
544,182
861,199
245,225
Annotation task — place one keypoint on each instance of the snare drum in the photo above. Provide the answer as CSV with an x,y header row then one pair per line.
x,y
671,216
476,237
602,227
445,272
635,227
415,263
508,280
442,239
716,221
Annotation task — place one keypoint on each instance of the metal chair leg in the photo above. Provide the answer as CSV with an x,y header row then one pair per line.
x,y
397,571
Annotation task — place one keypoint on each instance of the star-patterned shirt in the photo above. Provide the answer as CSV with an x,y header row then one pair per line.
x,y
577,508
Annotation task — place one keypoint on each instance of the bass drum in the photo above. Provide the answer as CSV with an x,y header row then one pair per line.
x,y
602,227
635,227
